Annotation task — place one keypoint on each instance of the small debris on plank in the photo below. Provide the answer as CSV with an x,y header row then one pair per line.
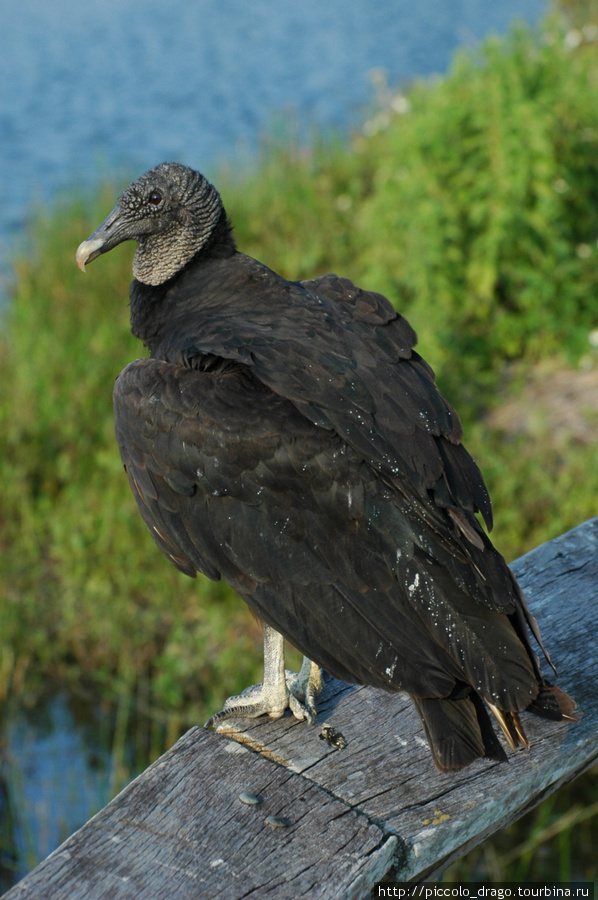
x,y
332,737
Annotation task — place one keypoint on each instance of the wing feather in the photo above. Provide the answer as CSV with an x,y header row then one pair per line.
x,y
234,482
345,359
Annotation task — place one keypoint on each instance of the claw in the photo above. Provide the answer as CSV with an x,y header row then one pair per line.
x,y
304,689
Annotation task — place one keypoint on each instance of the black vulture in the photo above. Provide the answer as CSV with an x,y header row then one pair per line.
x,y
286,436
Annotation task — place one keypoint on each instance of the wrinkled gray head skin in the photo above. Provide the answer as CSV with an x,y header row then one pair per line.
x,y
170,211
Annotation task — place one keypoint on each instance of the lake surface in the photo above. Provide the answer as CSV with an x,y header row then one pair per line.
x,y
50,778
87,88
90,88
61,760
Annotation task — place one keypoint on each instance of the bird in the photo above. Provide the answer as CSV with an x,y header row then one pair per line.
x,y
286,436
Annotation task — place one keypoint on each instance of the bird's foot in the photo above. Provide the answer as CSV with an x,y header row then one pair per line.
x,y
298,692
281,689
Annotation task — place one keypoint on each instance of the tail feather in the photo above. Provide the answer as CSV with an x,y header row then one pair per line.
x,y
458,731
511,726
553,703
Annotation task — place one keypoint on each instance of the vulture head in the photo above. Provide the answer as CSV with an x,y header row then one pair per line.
x,y
171,211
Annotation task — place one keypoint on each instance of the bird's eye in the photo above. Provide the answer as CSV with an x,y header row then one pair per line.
x,y
155,197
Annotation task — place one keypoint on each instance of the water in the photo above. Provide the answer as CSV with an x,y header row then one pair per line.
x,y
60,762
87,88
54,775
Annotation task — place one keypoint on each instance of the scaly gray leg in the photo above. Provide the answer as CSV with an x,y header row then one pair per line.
x,y
279,690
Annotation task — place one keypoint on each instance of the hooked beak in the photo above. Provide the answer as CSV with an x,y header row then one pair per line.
x,y
111,232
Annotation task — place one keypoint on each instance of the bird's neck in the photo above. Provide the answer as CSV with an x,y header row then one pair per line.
x,y
147,310
160,257
154,307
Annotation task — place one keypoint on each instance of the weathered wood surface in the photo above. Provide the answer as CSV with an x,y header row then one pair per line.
x,y
377,806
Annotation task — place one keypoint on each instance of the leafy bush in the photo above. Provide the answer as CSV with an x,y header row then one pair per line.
x,y
487,193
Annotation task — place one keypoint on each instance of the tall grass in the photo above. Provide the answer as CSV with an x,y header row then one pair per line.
x,y
472,203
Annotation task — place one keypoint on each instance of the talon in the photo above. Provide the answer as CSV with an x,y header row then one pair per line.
x,y
301,711
305,688
211,722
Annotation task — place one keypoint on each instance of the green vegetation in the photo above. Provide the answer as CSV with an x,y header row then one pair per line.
x,y
473,203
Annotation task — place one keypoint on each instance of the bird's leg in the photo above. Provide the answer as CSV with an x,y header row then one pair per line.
x,y
279,690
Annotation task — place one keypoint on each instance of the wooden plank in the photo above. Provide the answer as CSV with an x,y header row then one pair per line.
x,y
354,814
181,831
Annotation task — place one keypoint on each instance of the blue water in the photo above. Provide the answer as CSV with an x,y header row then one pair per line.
x,y
48,763
87,88
56,771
